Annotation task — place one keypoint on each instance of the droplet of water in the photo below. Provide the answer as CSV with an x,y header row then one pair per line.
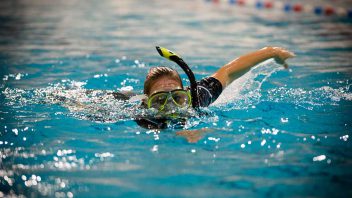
x,y
15,131
69,194
344,138
319,158
284,120
155,148
263,142
18,76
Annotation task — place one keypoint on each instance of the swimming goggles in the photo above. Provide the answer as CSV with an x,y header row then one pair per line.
x,y
180,97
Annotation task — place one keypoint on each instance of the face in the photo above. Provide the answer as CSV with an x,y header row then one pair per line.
x,y
164,84
169,104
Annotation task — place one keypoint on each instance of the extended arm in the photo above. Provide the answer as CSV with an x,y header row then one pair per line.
x,y
236,68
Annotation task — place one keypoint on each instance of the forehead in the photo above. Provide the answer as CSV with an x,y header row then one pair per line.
x,y
165,84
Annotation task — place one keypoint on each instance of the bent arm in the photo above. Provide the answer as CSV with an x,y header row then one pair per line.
x,y
236,68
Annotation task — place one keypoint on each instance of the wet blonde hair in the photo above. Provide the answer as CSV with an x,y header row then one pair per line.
x,y
157,72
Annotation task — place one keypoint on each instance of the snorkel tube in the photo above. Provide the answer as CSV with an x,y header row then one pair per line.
x,y
180,62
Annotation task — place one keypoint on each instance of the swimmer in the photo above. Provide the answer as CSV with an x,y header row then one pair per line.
x,y
168,99
165,92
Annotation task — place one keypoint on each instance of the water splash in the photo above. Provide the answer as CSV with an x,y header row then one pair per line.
x,y
316,97
86,104
247,91
97,105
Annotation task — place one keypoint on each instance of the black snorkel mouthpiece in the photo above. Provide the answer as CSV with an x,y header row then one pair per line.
x,y
180,62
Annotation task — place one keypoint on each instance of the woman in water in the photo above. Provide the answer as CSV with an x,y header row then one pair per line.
x,y
165,91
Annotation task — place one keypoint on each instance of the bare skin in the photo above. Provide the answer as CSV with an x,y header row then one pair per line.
x,y
164,84
239,66
226,75
232,70
193,136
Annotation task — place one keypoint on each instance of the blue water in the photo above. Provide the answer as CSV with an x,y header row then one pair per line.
x,y
272,133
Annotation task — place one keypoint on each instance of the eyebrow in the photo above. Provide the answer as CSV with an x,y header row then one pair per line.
x,y
159,90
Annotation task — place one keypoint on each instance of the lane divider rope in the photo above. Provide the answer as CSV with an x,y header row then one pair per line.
x,y
325,10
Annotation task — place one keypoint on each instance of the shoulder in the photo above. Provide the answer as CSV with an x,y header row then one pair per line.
x,y
209,89
210,82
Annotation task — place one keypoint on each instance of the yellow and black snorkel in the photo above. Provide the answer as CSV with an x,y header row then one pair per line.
x,y
173,119
180,62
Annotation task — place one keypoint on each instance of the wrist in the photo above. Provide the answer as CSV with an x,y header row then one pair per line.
x,y
270,51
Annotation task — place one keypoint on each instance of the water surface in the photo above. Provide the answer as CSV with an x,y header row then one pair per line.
x,y
272,133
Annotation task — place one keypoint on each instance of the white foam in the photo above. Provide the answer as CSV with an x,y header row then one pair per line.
x,y
246,89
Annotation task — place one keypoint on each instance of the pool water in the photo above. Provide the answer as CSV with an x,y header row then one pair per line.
x,y
272,133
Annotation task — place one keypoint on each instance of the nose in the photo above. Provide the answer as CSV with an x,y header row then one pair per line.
x,y
169,105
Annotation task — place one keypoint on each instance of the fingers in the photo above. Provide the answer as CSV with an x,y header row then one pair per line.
x,y
292,54
281,55
288,54
284,53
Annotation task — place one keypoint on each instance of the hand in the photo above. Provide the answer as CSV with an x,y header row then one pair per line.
x,y
281,54
193,136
